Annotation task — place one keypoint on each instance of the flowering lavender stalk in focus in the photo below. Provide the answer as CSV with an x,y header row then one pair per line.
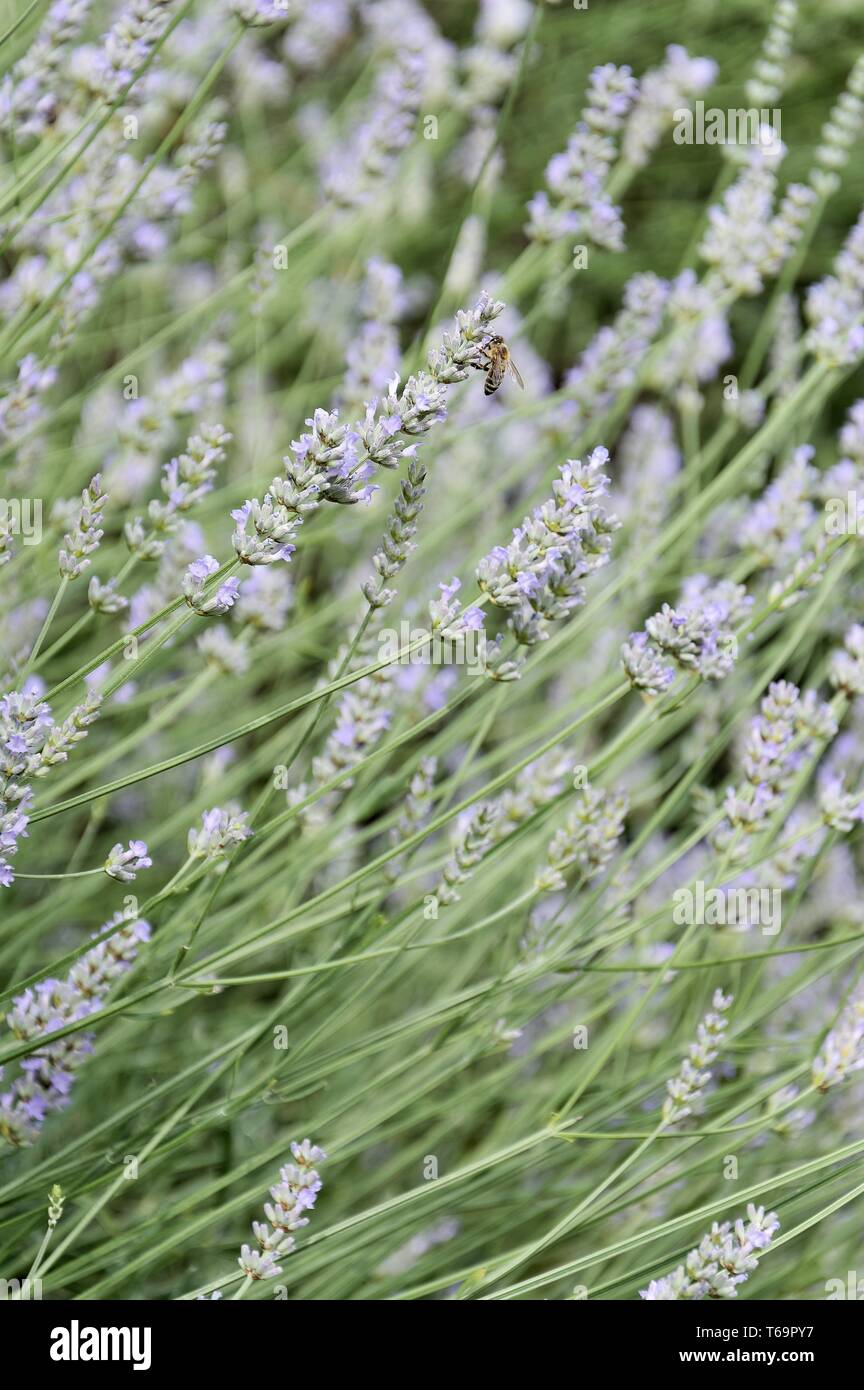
x,y
48,1074
126,864
398,542
295,1193
335,462
721,1261
685,1089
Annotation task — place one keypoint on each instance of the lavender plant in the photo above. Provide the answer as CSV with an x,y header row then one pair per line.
x,y
392,756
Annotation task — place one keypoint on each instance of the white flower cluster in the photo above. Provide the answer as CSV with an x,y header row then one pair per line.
x,y
684,1091
721,1261
295,1193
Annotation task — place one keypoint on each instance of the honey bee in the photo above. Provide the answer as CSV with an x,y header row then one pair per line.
x,y
497,364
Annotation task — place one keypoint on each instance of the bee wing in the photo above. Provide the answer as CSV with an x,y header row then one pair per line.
x,y
516,374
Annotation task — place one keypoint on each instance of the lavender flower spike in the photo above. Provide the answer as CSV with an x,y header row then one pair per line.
x,y
48,1074
85,536
697,635
335,462
722,1260
30,745
577,176
842,1052
663,92
295,1193
685,1089
588,838
538,576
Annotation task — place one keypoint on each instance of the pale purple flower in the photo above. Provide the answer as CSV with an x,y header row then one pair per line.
x,y
841,810
663,92
125,864
835,306
30,92
724,1258
355,170
221,829
538,575
612,359
30,745
684,1091
588,839
576,177
846,671
194,581
698,635
84,539
295,1193
47,1075
777,742
317,31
